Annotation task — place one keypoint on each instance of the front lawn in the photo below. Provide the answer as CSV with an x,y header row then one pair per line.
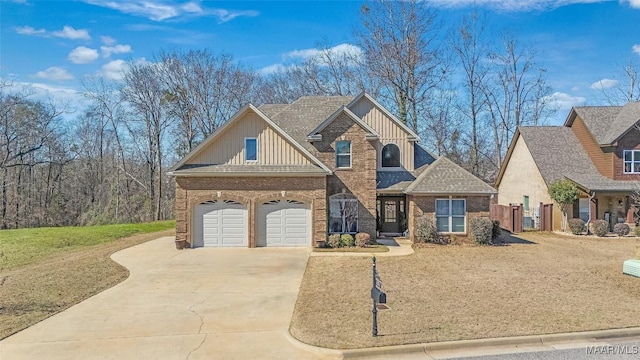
x,y
46,270
544,284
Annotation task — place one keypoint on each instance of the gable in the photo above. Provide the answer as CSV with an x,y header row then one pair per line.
x,y
380,119
228,149
521,176
225,148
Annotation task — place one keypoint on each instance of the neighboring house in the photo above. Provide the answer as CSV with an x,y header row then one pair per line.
x,y
598,149
290,174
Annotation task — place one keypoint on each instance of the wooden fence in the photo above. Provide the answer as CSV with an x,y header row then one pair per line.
x,y
509,216
546,217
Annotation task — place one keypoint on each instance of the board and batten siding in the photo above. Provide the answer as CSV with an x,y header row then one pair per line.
x,y
228,148
603,161
389,131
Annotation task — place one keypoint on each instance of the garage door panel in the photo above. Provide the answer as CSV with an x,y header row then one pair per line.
x,y
284,223
220,223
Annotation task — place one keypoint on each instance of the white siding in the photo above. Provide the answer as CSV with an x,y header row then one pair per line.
x,y
228,148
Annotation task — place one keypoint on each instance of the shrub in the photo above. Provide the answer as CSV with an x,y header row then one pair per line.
x,y
427,232
637,230
362,239
482,230
334,241
577,226
497,230
600,228
347,240
621,229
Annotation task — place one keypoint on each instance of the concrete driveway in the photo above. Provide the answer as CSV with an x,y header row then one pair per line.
x,y
191,304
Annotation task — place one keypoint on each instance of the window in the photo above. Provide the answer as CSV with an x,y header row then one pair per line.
x,y
251,149
343,154
583,209
525,202
343,216
391,156
450,215
631,162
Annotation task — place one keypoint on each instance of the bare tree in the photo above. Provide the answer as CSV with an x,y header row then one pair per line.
x,y
471,50
401,48
146,95
517,94
625,91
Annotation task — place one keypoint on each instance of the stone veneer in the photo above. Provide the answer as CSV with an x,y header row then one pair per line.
x,y
251,191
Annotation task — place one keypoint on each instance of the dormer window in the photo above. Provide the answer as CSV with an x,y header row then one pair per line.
x,y
251,149
631,162
391,156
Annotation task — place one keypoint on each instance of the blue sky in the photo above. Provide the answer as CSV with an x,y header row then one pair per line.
x,y
49,46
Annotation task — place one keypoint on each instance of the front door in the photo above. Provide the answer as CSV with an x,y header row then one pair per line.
x,y
391,214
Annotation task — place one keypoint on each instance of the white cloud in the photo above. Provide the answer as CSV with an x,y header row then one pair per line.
x,y
108,40
117,49
632,3
68,32
636,48
83,55
604,84
54,73
164,10
28,30
113,70
512,5
575,88
338,50
564,101
267,70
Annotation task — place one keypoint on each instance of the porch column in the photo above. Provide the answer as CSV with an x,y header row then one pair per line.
x,y
630,211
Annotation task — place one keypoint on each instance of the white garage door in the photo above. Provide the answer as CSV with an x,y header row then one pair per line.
x,y
220,223
284,223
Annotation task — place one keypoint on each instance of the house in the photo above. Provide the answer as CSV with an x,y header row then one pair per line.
x,y
290,174
597,148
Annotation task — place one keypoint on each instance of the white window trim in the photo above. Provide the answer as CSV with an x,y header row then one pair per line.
x,y
451,216
343,202
399,157
350,155
245,149
632,162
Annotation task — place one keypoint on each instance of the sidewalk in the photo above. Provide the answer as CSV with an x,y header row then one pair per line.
x,y
397,247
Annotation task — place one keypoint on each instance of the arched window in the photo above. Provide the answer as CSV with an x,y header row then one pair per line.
x,y
391,156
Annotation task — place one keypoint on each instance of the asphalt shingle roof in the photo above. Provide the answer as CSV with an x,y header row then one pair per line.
x,y
558,154
444,176
299,118
608,123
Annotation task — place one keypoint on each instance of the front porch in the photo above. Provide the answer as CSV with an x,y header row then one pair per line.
x,y
391,215
612,207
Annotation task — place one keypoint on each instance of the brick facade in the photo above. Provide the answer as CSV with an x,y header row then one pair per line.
x,y
251,191
360,179
426,206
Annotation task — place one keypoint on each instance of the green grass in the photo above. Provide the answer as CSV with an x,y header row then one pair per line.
x,y
21,247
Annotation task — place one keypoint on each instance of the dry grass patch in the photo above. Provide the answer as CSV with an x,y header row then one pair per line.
x,y
32,292
366,249
556,284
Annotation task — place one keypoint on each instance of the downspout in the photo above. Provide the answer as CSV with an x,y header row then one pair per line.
x,y
592,195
